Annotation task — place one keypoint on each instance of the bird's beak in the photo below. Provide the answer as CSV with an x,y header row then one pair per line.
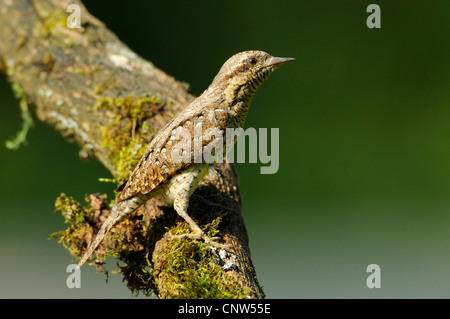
x,y
276,62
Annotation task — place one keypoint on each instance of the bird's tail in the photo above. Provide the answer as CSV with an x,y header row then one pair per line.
x,y
119,210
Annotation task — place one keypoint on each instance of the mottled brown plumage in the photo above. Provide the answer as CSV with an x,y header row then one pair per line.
x,y
223,105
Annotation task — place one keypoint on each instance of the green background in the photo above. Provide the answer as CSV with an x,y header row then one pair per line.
x,y
364,174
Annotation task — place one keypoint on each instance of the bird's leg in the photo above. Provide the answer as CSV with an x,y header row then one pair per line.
x,y
181,204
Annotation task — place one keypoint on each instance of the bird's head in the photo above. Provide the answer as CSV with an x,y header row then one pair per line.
x,y
243,73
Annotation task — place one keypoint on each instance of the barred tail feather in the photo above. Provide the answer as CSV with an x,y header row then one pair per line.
x,y
118,211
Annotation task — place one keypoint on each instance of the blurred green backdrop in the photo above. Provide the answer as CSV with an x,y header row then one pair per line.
x,y
364,171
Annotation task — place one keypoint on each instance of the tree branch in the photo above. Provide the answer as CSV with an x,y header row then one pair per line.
x,y
94,90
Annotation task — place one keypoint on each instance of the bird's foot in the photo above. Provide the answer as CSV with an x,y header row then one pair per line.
x,y
211,241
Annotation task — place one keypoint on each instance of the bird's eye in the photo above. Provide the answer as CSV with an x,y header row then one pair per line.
x,y
252,61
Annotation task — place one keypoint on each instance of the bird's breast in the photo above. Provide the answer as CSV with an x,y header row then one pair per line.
x,y
187,180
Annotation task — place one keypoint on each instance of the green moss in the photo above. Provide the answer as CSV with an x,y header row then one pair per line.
x,y
188,272
27,120
89,70
186,268
69,208
75,237
73,213
50,19
128,132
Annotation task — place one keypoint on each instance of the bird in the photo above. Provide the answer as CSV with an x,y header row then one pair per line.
x,y
171,168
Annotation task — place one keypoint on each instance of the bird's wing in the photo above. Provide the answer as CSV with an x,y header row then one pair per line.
x,y
158,164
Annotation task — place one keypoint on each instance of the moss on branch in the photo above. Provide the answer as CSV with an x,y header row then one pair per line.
x,y
95,91
128,131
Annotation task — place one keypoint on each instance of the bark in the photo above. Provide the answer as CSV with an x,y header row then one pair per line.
x,y
86,83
